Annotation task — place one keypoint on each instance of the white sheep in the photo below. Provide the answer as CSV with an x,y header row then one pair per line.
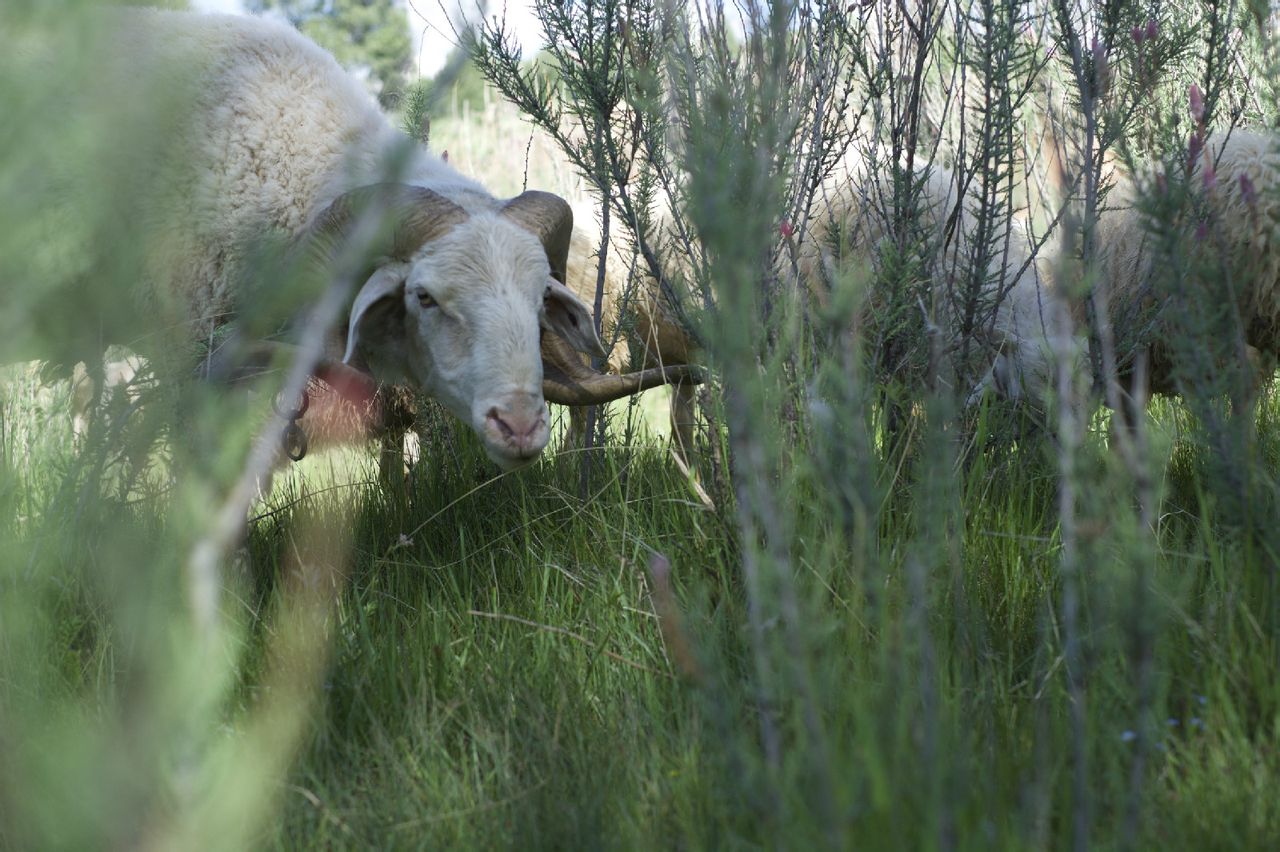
x,y
1016,313
1238,216
274,138
663,345
1010,348
1238,209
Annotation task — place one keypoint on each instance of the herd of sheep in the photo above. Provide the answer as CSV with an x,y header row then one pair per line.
x,y
483,303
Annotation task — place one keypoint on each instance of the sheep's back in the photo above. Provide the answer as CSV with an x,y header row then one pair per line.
x,y
1235,219
264,127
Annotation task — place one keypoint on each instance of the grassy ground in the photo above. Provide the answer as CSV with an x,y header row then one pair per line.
x,y
506,671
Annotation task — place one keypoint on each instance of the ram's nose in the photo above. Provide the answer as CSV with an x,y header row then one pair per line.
x,y
517,425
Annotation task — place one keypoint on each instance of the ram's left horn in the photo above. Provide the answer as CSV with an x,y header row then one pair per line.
x,y
567,381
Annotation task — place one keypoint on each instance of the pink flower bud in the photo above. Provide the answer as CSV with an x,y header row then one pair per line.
x,y
1197,102
1138,34
1152,30
1202,231
786,229
444,155
1247,191
1210,178
1194,149
1101,72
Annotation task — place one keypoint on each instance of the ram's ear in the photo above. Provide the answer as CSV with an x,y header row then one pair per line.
x,y
568,316
378,309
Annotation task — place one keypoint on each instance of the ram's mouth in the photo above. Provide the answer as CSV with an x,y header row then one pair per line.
x,y
509,461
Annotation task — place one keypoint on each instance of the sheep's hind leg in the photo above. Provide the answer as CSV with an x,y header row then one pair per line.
x,y
86,393
684,420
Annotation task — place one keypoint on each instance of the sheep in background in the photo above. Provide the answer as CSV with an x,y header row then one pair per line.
x,y
582,275
1016,311
663,345
274,137
1010,349
1236,181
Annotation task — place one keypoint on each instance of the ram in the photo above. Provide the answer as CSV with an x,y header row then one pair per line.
x,y
464,297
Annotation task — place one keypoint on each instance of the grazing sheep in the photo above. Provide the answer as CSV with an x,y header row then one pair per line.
x,y
1010,345
1014,314
663,345
274,138
1235,179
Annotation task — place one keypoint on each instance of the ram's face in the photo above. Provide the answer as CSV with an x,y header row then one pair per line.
x,y
462,321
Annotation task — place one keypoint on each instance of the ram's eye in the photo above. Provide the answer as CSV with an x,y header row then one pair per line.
x,y
426,299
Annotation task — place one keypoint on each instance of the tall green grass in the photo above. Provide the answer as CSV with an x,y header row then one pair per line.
x,y
874,639
498,673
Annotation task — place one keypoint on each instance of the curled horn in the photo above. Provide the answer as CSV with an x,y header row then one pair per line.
x,y
419,216
548,217
567,381
565,378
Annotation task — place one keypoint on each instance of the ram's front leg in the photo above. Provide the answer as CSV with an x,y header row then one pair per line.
x,y
398,444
